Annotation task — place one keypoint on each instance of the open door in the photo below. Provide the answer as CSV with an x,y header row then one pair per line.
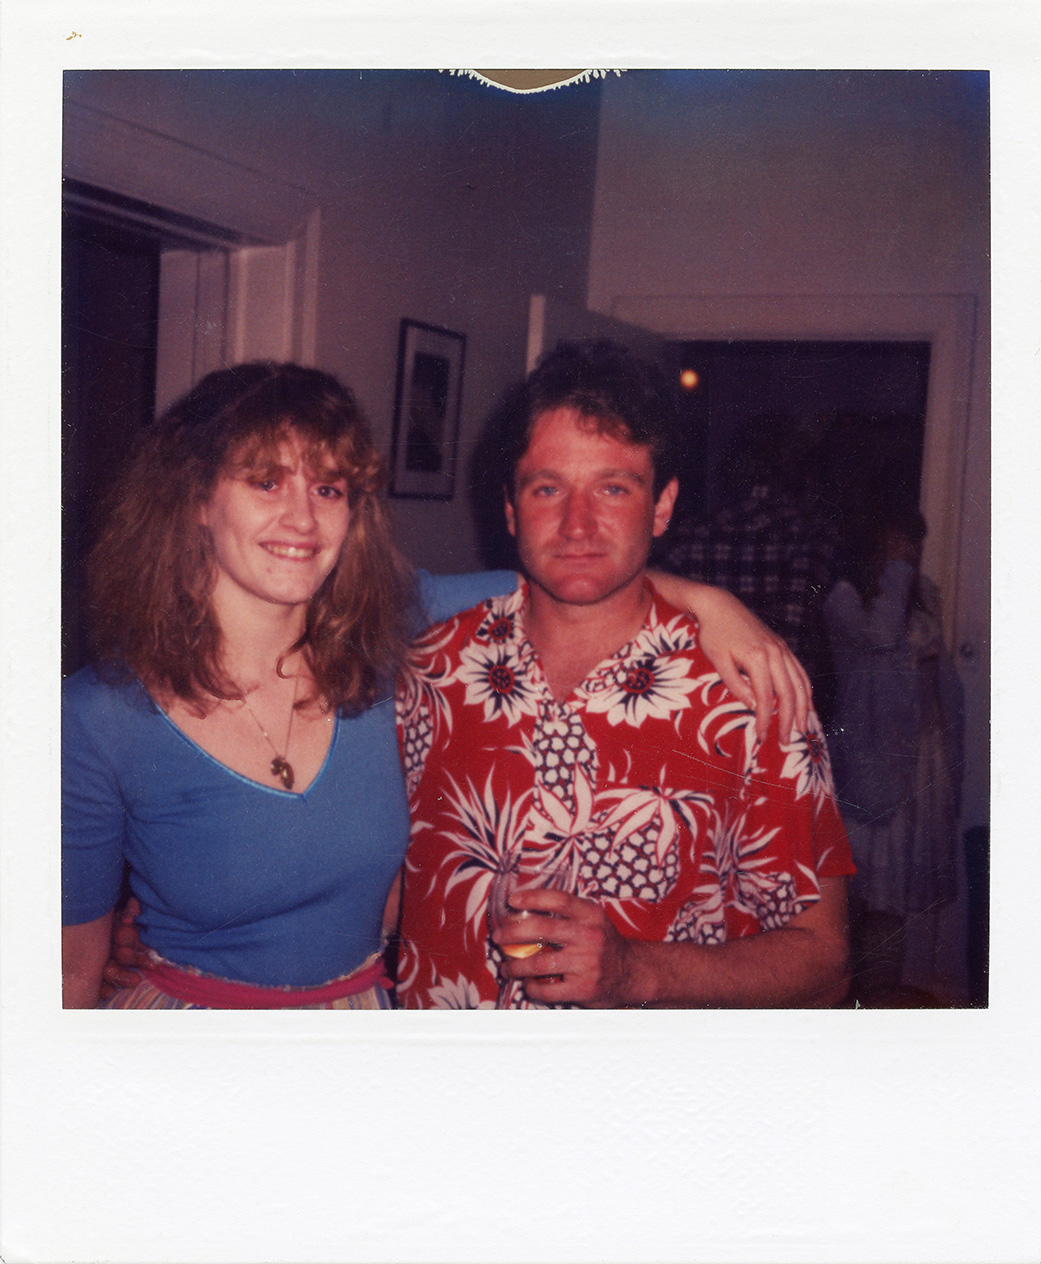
x,y
945,321
226,306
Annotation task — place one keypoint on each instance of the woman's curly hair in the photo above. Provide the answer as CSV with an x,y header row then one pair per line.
x,y
151,574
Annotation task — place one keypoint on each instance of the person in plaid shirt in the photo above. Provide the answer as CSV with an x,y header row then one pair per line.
x,y
770,546
578,721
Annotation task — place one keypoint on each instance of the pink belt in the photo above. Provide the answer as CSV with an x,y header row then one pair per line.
x,y
213,993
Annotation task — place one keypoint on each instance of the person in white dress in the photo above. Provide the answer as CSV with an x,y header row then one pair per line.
x,y
896,739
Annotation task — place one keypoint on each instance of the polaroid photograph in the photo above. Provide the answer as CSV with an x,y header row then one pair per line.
x,y
331,363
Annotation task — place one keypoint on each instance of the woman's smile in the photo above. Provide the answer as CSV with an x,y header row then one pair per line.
x,y
277,529
294,552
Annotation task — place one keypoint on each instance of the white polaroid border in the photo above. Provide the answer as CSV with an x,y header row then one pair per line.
x,y
790,1136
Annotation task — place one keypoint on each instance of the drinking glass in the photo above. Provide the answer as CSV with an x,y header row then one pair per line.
x,y
526,872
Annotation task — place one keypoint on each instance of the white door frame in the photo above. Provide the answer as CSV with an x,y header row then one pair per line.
x,y
945,321
244,285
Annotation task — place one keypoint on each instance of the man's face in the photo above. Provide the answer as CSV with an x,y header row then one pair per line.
x,y
584,511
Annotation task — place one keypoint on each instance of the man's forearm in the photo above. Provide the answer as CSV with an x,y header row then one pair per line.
x,y
786,967
588,962
801,964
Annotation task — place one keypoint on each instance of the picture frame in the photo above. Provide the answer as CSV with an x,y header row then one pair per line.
x,y
427,403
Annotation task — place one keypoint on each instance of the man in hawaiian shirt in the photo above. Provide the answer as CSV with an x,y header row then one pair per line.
x,y
577,720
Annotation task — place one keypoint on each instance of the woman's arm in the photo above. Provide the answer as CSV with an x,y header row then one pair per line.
x,y
84,954
756,664
93,821
443,596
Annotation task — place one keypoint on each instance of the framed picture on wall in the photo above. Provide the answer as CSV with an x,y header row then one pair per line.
x,y
426,411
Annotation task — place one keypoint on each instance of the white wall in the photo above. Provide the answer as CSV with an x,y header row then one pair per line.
x,y
807,183
440,200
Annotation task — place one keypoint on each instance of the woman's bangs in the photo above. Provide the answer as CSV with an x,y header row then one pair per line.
x,y
263,451
329,456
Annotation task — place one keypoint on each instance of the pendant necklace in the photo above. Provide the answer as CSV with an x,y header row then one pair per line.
x,y
280,765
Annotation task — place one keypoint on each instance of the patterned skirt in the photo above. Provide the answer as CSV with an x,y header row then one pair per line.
x,y
367,990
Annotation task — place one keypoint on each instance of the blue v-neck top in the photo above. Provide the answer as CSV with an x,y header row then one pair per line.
x,y
238,878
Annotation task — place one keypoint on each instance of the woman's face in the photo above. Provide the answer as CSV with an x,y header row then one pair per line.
x,y
277,528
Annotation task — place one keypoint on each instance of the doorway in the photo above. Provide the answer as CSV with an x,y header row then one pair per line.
x,y
145,294
859,407
110,303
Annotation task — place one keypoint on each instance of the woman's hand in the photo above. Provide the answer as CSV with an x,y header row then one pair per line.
x,y
756,664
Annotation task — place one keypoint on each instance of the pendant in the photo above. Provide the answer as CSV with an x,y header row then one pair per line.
x,y
283,770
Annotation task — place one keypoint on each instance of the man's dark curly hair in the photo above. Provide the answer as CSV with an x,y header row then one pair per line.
x,y
618,392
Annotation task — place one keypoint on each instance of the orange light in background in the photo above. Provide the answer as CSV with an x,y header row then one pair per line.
x,y
689,380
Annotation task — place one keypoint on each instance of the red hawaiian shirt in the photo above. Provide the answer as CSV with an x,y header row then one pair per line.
x,y
648,780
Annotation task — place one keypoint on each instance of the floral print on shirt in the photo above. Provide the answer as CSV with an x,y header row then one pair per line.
x,y
648,780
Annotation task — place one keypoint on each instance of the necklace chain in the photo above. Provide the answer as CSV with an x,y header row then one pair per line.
x,y
280,765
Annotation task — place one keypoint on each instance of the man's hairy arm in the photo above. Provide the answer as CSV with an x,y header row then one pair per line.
x,y
802,964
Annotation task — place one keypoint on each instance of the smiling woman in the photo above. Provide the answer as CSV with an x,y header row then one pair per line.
x,y
277,526
249,424
235,745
